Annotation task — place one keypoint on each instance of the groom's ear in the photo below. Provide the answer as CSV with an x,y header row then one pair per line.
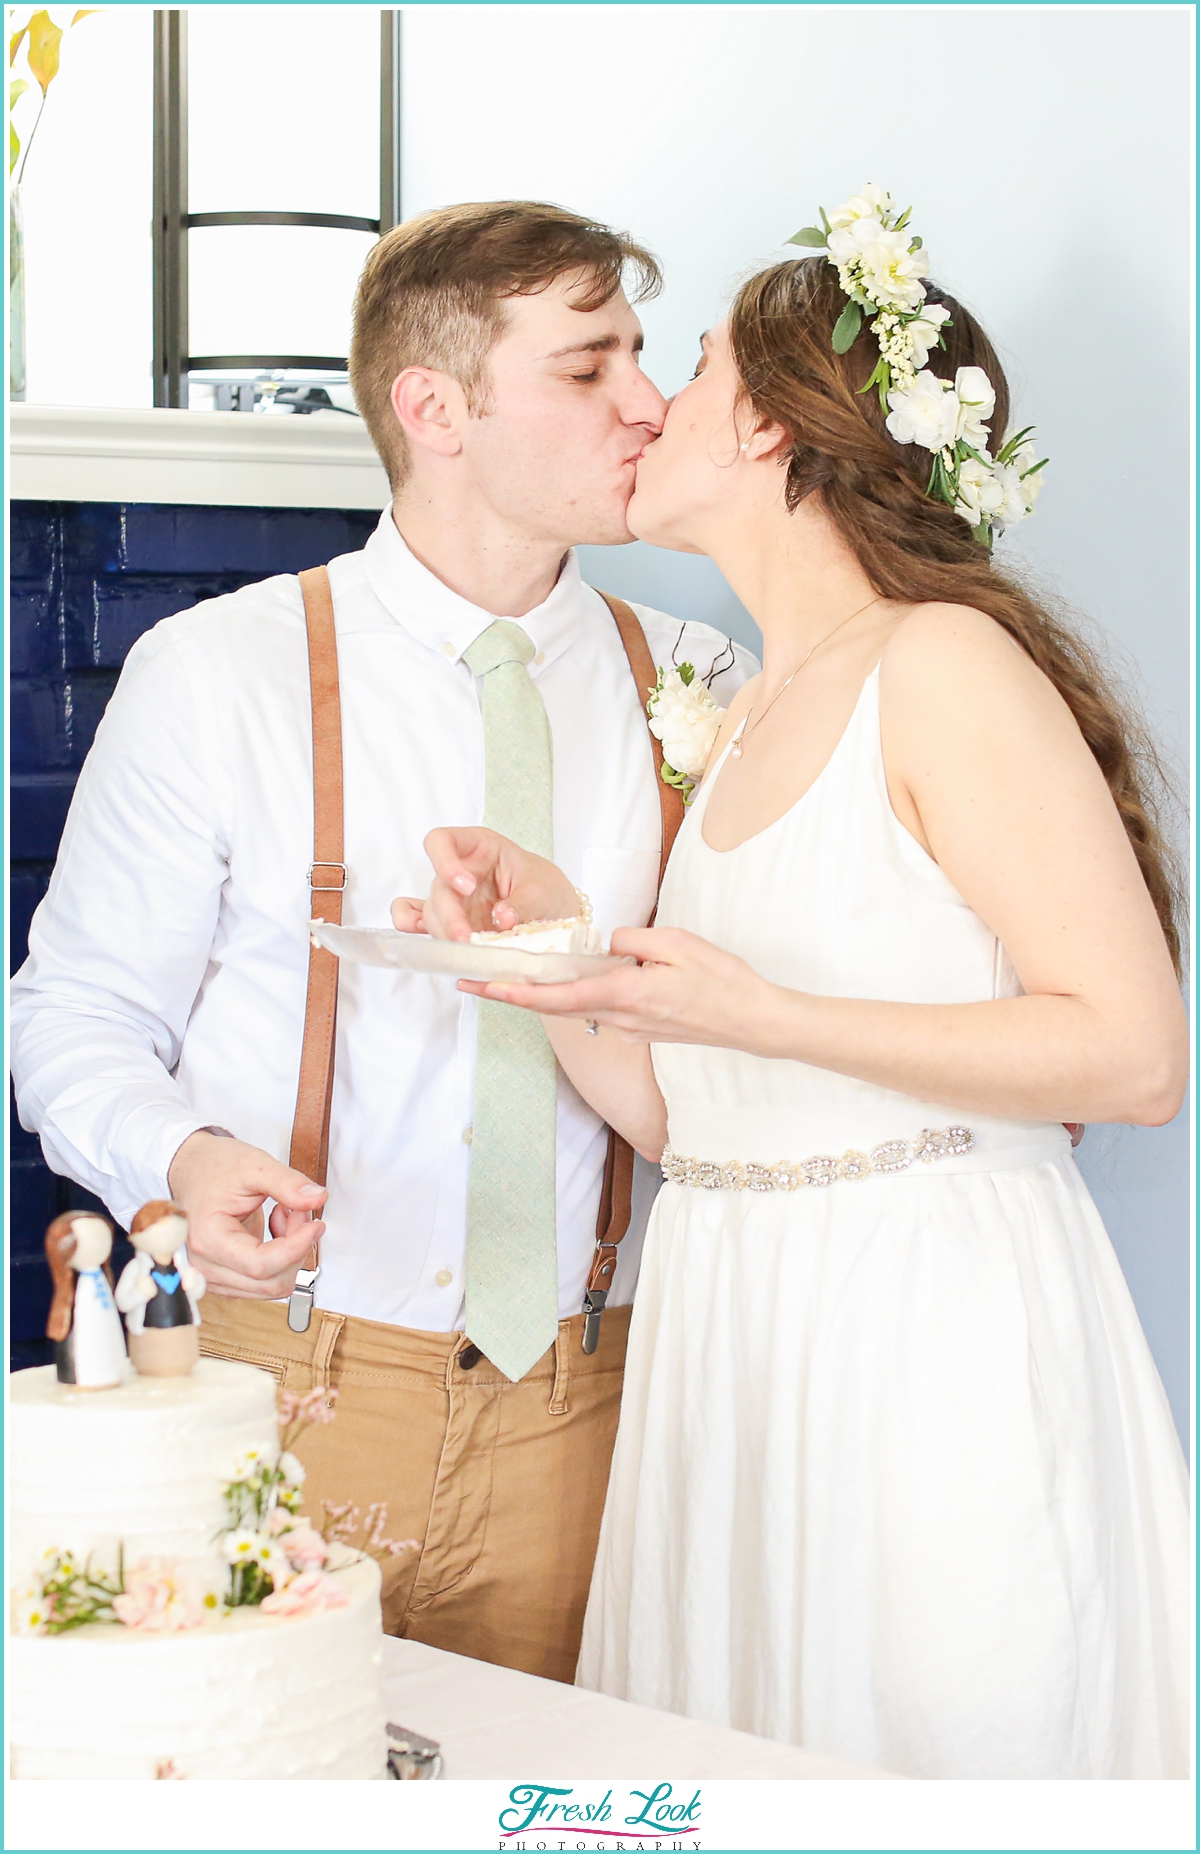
x,y
431,408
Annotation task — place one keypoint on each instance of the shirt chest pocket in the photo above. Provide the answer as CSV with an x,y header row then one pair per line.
x,y
622,886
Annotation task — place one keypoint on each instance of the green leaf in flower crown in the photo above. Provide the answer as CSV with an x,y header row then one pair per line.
x,y
903,220
44,41
846,328
943,485
809,235
881,367
1011,445
1034,468
916,244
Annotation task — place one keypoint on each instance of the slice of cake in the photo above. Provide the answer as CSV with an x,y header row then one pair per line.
x,y
127,1490
575,936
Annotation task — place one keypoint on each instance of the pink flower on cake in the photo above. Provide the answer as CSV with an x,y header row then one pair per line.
x,y
158,1595
305,1548
306,1595
316,1406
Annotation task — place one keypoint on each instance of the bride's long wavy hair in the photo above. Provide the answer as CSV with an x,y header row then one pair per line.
x,y
914,549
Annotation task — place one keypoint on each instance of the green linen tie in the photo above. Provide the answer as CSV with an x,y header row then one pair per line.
x,y
512,1250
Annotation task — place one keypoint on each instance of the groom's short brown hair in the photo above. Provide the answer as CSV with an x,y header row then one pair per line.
x,y
432,294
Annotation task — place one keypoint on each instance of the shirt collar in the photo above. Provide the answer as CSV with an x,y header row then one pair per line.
x,y
446,622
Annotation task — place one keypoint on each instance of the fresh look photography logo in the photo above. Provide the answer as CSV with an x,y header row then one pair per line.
x,y
549,1816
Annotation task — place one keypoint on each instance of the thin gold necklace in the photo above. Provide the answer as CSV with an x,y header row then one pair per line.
x,y
751,724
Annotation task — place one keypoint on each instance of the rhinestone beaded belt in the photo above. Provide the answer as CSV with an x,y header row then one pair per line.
x,y
893,1155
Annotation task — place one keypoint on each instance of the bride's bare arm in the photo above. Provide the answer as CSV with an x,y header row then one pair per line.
x,y
988,771
615,1077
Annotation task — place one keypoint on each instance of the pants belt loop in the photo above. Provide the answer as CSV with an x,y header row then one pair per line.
x,y
327,1338
562,1370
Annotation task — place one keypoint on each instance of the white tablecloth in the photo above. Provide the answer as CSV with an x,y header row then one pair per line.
x,y
493,1722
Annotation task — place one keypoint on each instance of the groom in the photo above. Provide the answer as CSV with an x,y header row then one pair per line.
x,y
157,1024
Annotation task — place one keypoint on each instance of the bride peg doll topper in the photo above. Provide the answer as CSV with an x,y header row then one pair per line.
x,y
89,1346
158,1292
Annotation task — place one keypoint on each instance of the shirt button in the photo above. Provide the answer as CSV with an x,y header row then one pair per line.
x,y
443,1277
448,650
540,657
468,1135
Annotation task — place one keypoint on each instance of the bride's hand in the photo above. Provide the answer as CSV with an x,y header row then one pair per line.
x,y
685,990
483,882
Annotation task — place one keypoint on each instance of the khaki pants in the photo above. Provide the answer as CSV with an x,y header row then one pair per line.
x,y
503,1483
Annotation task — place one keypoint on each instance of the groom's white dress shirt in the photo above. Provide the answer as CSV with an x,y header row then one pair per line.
x,y
165,985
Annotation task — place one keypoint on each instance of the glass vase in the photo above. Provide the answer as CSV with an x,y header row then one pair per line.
x,y
16,297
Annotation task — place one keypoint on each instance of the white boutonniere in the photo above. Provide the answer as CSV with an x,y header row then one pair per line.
x,y
686,718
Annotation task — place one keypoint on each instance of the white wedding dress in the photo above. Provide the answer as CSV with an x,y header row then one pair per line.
x,y
896,1478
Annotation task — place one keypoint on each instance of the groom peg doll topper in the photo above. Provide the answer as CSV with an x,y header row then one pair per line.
x,y
89,1346
158,1292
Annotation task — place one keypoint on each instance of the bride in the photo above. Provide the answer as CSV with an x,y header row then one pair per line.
x,y
895,1477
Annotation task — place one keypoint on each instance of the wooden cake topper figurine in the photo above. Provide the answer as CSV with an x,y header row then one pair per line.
x,y
89,1346
158,1292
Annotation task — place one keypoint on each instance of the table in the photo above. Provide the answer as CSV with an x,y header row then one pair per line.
x,y
493,1722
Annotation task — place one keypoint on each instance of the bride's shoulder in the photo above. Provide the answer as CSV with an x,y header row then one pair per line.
x,y
952,674
940,650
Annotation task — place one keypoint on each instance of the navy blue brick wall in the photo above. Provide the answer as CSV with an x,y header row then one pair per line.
x,y
87,580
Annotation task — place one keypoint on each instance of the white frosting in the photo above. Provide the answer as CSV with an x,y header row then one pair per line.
x,y
545,937
243,1695
143,1464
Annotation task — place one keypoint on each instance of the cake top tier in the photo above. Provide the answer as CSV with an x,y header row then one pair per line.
x,y
142,1466
214,1390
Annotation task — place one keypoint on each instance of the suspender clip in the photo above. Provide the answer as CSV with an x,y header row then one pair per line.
x,y
300,1302
593,1306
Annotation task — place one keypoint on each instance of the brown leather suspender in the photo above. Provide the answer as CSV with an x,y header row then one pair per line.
x,y
616,1197
327,880
645,675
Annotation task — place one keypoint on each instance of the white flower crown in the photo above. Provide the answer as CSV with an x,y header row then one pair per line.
x,y
880,266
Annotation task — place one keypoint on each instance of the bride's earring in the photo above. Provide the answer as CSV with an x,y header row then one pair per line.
x,y
746,446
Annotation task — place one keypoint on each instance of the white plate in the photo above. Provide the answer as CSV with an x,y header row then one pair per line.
x,y
418,952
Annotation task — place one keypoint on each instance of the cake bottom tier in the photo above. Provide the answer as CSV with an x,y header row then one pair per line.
x,y
243,1696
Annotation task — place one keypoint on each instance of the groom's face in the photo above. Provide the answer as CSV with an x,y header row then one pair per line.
x,y
568,413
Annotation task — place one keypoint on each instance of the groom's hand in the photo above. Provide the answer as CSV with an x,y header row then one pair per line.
x,y
483,882
223,1184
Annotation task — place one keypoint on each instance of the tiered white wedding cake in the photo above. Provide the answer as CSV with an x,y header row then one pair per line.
x,y
125,1490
